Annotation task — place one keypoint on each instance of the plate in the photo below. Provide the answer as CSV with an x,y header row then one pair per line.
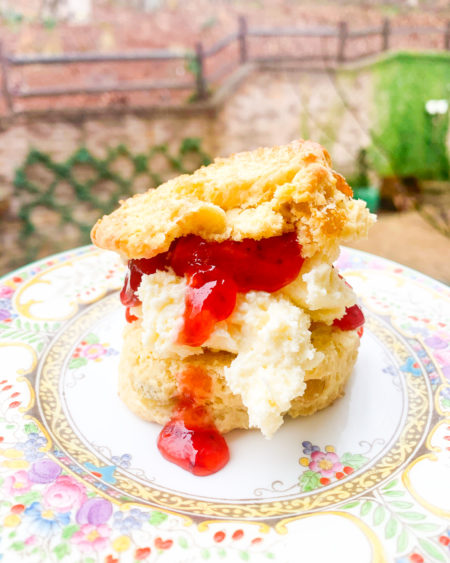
x,y
82,479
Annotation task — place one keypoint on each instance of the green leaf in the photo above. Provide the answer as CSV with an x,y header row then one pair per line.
x,y
206,554
221,552
391,528
77,363
401,504
182,542
61,550
425,526
411,515
18,545
432,550
69,531
82,155
394,493
157,518
30,427
244,555
351,504
28,498
378,515
270,555
402,541
365,508
390,485
309,480
91,338
12,534
140,163
353,460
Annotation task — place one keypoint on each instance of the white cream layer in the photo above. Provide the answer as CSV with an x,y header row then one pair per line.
x,y
268,332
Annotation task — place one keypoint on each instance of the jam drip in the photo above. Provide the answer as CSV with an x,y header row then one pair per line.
x,y
216,272
190,439
352,319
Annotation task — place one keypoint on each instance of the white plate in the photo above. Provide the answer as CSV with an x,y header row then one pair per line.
x,y
82,479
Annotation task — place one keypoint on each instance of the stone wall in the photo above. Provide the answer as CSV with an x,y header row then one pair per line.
x,y
259,106
276,106
264,107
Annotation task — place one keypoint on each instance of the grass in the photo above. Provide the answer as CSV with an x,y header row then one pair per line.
x,y
407,141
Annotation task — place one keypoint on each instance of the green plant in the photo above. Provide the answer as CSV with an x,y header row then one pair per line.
x,y
361,178
12,18
32,191
408,141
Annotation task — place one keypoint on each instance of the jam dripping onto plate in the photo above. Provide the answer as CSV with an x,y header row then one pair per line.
x,y
215,273
190,438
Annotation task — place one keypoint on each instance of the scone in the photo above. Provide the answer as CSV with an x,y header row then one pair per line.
x,y
236,314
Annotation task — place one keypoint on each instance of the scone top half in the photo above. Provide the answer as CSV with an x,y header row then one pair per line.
x,y
257,194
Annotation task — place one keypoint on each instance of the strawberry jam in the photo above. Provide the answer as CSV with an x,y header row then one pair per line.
x,y
210,297
352,319
216,272
136,268
190,438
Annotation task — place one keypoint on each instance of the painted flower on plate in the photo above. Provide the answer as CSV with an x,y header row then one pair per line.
x,y
64,494
90,349
325,463
42,521
95,511
6,291
130,520
412,367
32,446
91,538
93,351
17,484
438,341
44,471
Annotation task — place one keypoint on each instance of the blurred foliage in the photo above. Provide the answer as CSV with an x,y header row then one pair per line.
x,y
11,17
408,141
38,181
361,178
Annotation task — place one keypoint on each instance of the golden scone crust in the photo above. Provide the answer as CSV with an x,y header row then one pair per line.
x,y
255,194
148,385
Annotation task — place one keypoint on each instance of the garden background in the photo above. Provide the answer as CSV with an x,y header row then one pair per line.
x,y
104,99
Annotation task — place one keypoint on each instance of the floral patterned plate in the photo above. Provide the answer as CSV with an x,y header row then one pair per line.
x,y
81,479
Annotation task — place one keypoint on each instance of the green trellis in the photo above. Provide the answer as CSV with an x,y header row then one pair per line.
x,y
32,193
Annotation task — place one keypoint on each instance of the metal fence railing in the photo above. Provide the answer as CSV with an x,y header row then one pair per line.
x,y
198,84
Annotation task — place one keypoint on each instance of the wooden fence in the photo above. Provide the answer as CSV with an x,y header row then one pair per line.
x,y
199,83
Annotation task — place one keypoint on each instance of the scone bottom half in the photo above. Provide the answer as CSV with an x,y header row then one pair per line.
x,y
236,321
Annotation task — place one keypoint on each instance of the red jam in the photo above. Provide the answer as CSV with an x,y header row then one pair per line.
x,y
210,297
136,268
215,272
352,319
190,439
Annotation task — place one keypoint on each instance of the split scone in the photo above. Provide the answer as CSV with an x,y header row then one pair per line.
x,y
233,304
